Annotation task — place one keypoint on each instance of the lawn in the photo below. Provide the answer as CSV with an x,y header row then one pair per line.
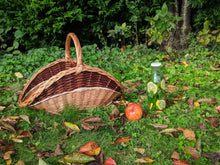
x,y
186,131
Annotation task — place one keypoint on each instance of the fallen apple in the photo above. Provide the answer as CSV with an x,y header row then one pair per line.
x,y
133,111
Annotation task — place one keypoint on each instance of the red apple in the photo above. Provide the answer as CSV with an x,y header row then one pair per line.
x,y
133,111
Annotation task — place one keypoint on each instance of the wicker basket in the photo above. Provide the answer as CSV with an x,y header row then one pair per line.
x,y
69,82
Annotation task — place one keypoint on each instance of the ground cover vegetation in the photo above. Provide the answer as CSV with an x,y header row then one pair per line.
x,y
123,38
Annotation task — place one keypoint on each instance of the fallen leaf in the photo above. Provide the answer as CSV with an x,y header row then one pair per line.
x,y
175,155
192,152
16,140
78,158
217,110
22,134
92,119
7,157
213,101
58,150
196,104
168,130
120,140
171,88
213,120
115,112
110,161
20,162
213,68
42,162
70,128
44,154
131,90
140,150
180,162
87,126
2,108
189,134
144,160
18,75
190,102
159,125
99,158
214,156
217,133
90,149
185,64
25,117
198,145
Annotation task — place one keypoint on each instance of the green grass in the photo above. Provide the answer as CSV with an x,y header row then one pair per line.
x,y
132,64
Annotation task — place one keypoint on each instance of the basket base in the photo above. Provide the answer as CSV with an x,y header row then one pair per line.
x,y
82,99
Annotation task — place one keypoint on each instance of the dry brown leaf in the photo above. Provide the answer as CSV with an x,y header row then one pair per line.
x,y
168,130
115,112
87,126
175,155
213,101
217,109
180,162
189,134
192,152
190,102
58,150
214,156
159,125
214,68
171,88
120,140
140,150
7,157
213,120
25,117
92,119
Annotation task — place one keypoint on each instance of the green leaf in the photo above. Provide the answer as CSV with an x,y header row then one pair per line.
x,y
78,158
18,34
16,52
9,49
15,44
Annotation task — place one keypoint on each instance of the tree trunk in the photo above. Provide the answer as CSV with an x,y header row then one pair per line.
x,y
185,26
178,38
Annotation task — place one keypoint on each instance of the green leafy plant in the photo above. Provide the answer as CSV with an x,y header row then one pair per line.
x,y
123,31
161,25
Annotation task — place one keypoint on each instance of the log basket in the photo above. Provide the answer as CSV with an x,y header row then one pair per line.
x,y
69,82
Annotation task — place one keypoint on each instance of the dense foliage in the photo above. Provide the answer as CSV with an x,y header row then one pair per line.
x,y
27,24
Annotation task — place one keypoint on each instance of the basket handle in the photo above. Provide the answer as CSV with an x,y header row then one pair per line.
x,y
79,64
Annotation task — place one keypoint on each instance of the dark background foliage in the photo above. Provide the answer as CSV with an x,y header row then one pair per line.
x,y
26,24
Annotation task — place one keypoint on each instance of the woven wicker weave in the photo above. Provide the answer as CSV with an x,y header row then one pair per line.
x,y
67,81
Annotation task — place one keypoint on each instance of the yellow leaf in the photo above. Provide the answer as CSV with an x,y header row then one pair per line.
x,y
144,160
2,108
18,75
94,152
185,64
71,126
196,104
149,160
